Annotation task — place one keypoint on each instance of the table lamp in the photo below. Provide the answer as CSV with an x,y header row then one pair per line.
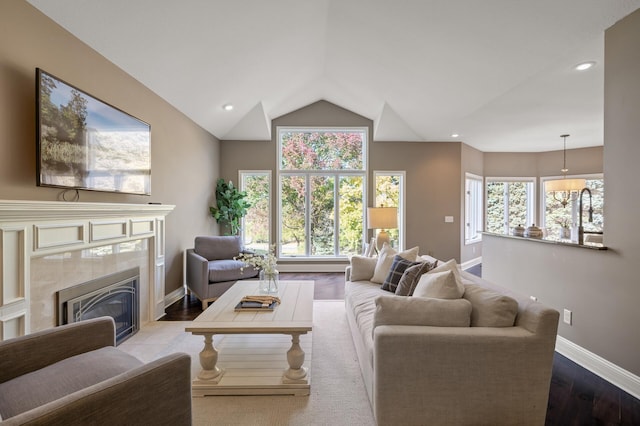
x,y
382,218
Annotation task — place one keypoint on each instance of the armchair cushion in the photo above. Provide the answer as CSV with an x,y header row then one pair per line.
x,y
65,377
229,270
218,247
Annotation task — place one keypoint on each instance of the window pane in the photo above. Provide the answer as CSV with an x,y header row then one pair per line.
x,y
495,207
388,195
351,213
473,210
517,204
256,223
292,208
319,150
597,190
322,216
557,216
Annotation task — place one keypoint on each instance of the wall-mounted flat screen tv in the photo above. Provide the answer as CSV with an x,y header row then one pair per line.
x,y
84,143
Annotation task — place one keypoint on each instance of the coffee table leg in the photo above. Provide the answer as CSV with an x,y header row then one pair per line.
x,y
296,373
208,361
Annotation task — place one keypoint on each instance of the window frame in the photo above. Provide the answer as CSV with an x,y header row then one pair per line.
x,y
474,209
531,199
269,174
573,199
401,201
336,174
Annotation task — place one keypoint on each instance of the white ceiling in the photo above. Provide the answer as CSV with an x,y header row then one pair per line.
x,y
497,72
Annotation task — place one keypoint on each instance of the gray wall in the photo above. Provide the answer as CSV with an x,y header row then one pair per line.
x,y
433,174
602,288
184,157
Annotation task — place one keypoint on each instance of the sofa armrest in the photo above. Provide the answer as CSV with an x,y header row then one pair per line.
x,y
37,350
197,273
157,393
457,375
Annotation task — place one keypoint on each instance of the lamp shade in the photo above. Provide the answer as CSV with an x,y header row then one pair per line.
x,y
564,185
382,217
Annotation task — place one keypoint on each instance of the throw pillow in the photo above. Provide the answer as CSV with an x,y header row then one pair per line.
x,y
398,266
490,308
452,266
398,310
385,259
439,285
411,276
362,268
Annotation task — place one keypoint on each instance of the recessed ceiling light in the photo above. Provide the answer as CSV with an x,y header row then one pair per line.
x,y
454,135
584,66
227,107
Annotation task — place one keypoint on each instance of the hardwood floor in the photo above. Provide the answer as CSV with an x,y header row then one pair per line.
x,y
577,397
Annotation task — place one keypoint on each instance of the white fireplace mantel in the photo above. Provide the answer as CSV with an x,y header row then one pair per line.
x,y
31,229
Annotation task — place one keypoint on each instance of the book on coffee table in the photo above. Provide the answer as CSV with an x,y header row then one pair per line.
x,y
257,303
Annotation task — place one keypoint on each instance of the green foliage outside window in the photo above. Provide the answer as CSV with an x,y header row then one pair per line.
x,y
327,167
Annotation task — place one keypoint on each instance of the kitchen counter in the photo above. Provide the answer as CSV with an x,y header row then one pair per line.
x,y
553,240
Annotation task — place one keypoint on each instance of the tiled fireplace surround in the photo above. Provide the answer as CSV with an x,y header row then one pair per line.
x,y
48,246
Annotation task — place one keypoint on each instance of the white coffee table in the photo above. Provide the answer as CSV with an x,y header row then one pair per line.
x,y
251,363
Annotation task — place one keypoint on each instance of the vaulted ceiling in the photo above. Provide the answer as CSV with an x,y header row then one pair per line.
x,y
498,73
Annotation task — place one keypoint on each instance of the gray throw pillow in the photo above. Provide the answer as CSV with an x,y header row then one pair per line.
x,y
411,276
399,265
396,310
490,308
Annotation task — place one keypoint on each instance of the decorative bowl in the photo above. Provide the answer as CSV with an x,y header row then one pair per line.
x,y
533,232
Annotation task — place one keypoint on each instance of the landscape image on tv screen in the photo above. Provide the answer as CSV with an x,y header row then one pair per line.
x,y
84,143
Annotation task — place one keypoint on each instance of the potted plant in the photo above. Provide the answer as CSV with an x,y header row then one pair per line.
x,y
231,206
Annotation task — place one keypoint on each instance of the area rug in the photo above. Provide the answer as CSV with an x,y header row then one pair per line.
x,y
338,396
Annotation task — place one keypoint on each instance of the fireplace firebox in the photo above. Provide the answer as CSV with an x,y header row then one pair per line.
x,y
115,295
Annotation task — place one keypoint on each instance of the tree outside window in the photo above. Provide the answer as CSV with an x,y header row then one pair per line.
x,y
256,224
556,216
510,203
321,191
389,190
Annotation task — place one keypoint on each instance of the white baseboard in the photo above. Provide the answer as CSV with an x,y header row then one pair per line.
x,y
620,377
469,263
174,296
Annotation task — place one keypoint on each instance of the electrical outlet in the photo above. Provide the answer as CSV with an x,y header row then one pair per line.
x,y
567,316
448,219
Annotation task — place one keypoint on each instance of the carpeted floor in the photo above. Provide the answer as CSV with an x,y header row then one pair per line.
x,y
337,395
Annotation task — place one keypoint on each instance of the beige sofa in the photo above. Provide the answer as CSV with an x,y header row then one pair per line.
x,y
484,359
73,375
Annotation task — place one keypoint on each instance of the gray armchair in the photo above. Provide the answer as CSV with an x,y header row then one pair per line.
x,y
211,268
74,375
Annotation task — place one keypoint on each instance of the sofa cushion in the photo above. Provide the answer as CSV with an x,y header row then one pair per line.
x,y
439,285
362,268
385,259
218,247
490,309
399,310
411,276
398,266
359,297
62,378
230,270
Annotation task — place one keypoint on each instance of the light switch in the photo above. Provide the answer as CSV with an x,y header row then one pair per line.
x,y
448,219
